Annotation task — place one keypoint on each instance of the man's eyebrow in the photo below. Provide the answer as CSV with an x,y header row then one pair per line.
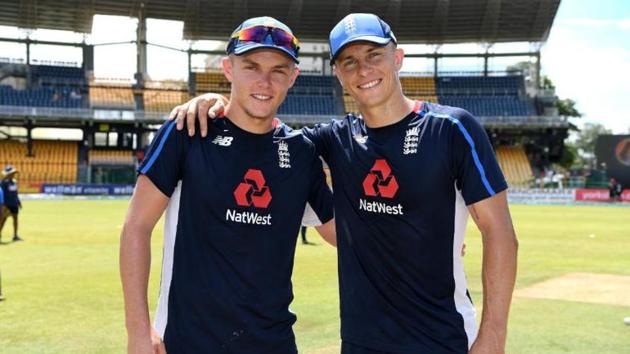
x,y
344,58
375,48
281,66
249,62
369,50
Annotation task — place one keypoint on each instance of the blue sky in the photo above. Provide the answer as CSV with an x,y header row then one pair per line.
x,y
587,55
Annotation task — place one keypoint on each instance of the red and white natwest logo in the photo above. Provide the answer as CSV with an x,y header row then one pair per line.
x,y
253,190
380,181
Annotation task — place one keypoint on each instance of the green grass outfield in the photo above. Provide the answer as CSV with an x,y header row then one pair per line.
x,y
64,295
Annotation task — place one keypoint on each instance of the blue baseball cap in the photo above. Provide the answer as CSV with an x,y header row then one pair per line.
x,y
359,27
239,47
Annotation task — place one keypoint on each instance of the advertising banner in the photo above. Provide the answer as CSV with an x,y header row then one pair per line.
x,y
598,195
87,189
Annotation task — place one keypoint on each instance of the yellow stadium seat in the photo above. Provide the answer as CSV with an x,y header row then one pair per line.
x,y
52,161
515,165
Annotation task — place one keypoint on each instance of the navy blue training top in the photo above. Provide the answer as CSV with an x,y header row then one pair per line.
x,y
10,189
400,208
237,200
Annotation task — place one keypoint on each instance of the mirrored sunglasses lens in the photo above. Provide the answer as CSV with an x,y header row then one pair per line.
x,y
253,34
282,38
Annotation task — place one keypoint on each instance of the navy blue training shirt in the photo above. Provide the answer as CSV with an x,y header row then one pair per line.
x,y
10,189
237,201
400,208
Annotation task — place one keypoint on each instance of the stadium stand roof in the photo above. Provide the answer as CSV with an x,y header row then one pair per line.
x,y
413,21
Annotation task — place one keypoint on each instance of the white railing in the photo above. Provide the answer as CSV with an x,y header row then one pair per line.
x,y
79,113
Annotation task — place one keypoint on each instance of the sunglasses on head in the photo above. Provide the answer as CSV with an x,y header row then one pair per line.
x,y
258,34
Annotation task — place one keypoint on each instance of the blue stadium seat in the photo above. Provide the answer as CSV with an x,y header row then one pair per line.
x,y
60,97
489,105
485,95
308,104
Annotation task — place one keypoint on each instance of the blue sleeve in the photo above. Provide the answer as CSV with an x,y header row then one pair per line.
x,y
320,135
477,172
164,159
320,196
1,197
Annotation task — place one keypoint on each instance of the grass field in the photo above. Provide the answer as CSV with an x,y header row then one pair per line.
x,y
64,295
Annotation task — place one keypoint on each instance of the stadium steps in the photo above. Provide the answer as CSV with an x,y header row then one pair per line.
x,y
111,157
515,165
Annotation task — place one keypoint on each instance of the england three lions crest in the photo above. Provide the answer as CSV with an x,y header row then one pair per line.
x,y
284,157
410,144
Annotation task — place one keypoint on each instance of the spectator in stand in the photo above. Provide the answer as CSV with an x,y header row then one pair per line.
x,y
614,190
12,202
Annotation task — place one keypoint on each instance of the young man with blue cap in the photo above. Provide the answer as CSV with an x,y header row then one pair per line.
x,y
407,175
234,202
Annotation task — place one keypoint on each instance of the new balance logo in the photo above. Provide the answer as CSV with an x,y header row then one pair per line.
x,y
223,140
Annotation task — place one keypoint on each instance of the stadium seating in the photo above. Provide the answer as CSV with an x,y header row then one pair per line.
x,y
308,104
114,95
111,157
489,105
311,94
211,82
479,85
484,95
418,86
59,75
515,165
163,100
313,85
52,161
58,97
52,86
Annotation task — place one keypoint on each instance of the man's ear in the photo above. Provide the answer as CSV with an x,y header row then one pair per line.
x,y
227,68
294,75
334,69
399,55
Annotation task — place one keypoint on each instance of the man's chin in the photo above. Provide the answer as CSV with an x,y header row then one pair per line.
x,y
261,115
368,102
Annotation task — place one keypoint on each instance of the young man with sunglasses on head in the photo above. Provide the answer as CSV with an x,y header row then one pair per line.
x,y
234,202
406,176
